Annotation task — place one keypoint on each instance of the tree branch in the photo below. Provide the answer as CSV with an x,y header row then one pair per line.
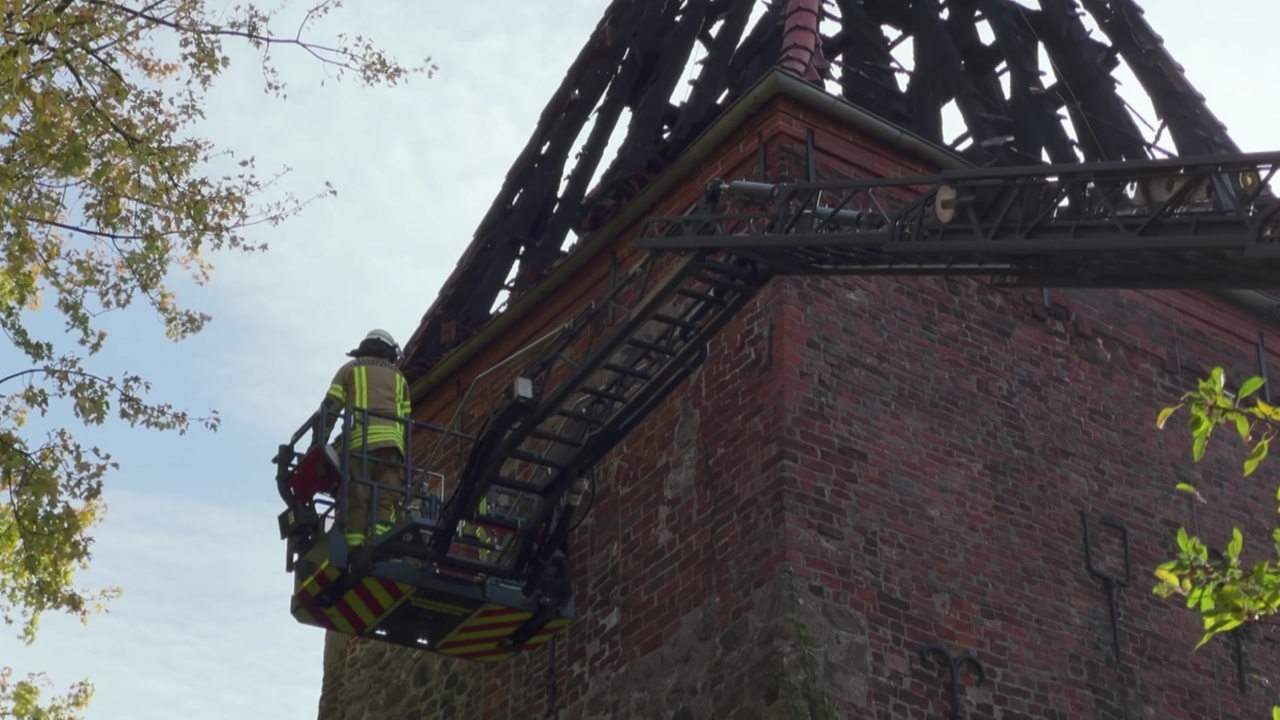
x,y
336,56
91,96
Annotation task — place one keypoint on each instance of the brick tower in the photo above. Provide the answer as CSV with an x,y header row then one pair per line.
x,y
872,496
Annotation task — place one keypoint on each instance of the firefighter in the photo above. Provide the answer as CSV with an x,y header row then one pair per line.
x,y
373,393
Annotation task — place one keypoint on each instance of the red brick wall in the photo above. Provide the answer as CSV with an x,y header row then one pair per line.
x,y
948,434
867,466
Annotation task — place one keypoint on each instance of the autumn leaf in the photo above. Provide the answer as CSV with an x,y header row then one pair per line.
x,y
110,194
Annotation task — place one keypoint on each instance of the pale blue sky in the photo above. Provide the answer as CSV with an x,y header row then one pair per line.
x,y
203,629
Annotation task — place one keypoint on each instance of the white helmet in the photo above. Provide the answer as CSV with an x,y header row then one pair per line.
x,y
381,337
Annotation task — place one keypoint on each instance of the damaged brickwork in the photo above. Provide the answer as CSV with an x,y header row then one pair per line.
x,y
863,468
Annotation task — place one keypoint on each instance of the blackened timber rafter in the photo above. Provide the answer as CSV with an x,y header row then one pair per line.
x,y
731,64
1037,125
938,76
757,54
627,58
637,73
634,61
708,85
1085,86
1195,130
984,104
651,108
469,293
869,69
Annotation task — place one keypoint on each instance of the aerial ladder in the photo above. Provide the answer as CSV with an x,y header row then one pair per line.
x,y
480,571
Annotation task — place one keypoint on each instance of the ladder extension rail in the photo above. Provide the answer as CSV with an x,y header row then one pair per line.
x,y
1190,222
606,373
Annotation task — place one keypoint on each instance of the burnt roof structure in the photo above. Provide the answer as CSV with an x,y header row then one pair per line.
x,y
1029,80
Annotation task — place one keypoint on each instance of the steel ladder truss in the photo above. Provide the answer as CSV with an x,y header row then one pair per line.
x,y
484,575
1187,223
605,372
1199,222
386,588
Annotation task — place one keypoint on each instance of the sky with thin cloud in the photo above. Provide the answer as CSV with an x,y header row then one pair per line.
x,y
202,630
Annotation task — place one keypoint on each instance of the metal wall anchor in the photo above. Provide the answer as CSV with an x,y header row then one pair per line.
x,y
1111,583
1242,676
954,665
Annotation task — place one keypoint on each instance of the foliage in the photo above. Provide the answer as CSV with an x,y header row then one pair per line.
x,y
21,699
106,193
1221,587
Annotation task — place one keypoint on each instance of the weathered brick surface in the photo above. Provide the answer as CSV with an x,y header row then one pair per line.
x,y
864,467
948,435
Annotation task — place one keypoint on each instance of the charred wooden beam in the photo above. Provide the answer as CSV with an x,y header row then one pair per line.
x,y
634,60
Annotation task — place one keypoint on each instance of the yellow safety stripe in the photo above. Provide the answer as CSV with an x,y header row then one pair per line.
x,y
485,634
375,430
366,614
334,618
377,433
402,397
361,383
380,594
338,392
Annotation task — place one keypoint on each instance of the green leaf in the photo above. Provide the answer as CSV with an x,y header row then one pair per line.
x,y
1242,426
1198,445
1218,623
1256,456
1251,386
111,197
1233,547
1267,411
1184,542
1186,488
1164,415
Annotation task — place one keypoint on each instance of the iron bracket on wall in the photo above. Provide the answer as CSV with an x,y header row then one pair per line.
x,y
1235,637
1237,647
1262,367
553,689
954,665
1111,582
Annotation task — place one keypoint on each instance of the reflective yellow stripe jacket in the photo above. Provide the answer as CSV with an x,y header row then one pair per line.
x,y
373,388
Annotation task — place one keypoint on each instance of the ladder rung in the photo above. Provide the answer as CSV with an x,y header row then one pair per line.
x,y
671,320
496,521
726,269
584,417
553,437
712,279
472,542
522,486
534,458
699,295
468,566
628,371
605,394
652,347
